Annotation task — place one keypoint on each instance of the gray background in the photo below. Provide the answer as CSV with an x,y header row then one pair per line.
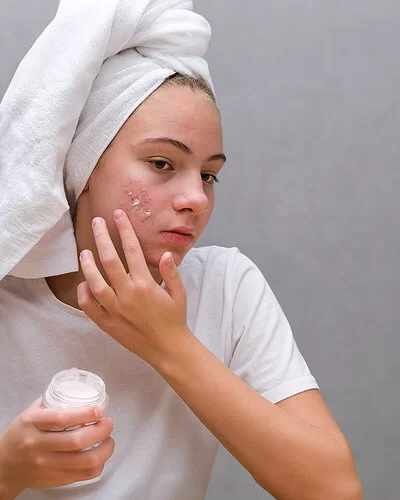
x,y
309,92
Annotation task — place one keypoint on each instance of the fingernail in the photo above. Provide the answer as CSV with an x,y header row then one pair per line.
x,y
97,221
84,254
99,412
118,214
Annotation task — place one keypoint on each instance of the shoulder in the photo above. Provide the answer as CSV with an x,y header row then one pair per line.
x,y
214,262
205,271
209,255
214,257
223,272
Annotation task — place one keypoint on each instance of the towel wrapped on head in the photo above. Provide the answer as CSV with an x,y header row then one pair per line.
x,y
89,70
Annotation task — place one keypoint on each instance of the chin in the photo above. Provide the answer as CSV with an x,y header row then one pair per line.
x,y
153,260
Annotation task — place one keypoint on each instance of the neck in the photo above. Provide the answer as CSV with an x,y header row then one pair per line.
x,y
64,287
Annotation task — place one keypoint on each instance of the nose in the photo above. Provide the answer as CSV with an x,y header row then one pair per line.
x,y
191,194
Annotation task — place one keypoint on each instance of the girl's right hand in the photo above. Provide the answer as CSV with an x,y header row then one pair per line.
x,y
33,457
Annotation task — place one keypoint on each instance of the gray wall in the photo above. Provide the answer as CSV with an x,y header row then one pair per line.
x,y
309,95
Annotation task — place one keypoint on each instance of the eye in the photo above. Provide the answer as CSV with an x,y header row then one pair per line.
x,y
160,164
209,178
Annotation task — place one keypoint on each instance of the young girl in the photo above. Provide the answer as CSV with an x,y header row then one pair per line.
x,y
191,343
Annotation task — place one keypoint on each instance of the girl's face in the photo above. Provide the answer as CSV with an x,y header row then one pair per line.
x,y
160,168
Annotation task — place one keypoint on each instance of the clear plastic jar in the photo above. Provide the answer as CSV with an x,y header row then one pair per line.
x,y
71,389
74,388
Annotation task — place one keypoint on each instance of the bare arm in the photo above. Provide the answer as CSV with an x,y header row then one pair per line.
x,y
294,449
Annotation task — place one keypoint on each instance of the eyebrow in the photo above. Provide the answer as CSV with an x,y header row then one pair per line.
x,y
182,147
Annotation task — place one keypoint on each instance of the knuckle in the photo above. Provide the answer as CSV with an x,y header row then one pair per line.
x,y
93,472
75,442
111,446
59,421
83,301
108,259
40,462
101,291
104,435
130,247
93,462
102,427
83,296
109,425
142,287
28,443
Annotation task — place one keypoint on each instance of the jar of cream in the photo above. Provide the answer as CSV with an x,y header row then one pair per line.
x,y
71,389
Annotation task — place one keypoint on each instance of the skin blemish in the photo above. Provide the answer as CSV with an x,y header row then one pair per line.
x,y
139,201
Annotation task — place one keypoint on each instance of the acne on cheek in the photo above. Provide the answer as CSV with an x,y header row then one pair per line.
x,y
136,201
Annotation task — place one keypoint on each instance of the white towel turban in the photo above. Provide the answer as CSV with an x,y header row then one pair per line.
x,y
90,69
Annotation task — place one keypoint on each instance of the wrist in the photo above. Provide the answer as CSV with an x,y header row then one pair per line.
x,y
175,353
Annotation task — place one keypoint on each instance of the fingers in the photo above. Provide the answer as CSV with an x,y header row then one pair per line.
x,y
61,468
98,286
47,419
171,277
78,439
83,460
109,257
78,466
133,252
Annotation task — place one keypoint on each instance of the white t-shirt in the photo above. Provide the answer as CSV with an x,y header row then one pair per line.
x,y
162,450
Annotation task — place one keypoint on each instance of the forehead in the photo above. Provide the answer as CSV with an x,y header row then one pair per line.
x,y
178,112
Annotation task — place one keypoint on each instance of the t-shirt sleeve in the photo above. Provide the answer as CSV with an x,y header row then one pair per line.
x,y
264,352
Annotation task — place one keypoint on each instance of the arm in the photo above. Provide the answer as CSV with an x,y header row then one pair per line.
x,y
297,438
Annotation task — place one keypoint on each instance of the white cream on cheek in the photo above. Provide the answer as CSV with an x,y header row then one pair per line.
x,y
138,203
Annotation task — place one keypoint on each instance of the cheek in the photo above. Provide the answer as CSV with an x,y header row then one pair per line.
x,y
210,207
137,202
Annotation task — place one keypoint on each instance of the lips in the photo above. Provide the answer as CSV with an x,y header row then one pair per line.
x,y
188,231
182,235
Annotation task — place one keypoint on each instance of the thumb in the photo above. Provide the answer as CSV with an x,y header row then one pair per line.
x,y
171,277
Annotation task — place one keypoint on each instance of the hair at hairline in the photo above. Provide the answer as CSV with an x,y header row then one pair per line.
x,y
193,82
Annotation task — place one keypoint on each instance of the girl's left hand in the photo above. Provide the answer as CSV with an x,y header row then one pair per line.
x,y
144,317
